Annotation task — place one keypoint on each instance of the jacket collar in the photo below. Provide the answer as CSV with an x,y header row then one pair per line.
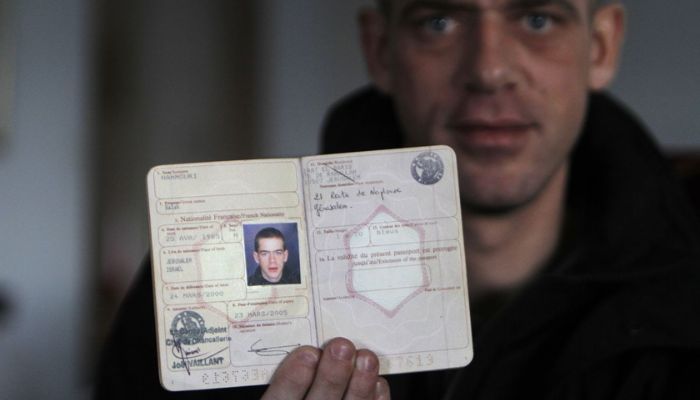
x,y
629,210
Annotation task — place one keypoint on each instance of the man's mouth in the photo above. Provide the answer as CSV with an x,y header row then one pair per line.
x,y
491,136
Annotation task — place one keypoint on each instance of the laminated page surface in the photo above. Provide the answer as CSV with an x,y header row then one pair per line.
x,y
387,255
230,271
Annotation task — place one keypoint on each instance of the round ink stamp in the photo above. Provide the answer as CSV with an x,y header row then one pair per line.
x,y
188,328
427,168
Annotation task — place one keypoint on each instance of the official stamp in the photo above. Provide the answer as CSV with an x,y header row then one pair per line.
x,y
427,168
188,328
193,344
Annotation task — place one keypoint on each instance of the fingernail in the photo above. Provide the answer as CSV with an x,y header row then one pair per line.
x,y
309,358
341,351
380,390
366,364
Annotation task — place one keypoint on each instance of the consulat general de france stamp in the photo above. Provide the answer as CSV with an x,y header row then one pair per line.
x,y
188,328
427,168
194,345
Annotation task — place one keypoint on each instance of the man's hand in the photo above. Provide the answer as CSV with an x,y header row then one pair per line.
x,y
338,371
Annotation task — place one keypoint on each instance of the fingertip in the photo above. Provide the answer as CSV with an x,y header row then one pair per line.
x,y
295,374
381,389
366,361
341,349
307,355
363,381
335,369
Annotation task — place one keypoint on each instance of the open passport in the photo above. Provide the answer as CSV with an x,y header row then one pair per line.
x,y
252,259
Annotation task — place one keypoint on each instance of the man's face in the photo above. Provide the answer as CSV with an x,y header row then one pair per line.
x,y
271,257
503,82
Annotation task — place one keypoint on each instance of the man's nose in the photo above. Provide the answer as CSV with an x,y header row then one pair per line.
x,y
487,59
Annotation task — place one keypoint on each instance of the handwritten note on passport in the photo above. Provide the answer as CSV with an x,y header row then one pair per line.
x,y
252,259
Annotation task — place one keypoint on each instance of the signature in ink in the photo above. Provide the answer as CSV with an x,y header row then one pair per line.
x,y
177,348
183,354
272,350
186,355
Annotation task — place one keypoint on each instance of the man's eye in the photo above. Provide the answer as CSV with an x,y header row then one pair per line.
x,y
439,24
264,253
538,22
278,252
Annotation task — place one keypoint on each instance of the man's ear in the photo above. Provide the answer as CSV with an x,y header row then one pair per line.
x,y
374,37
256,257
608,30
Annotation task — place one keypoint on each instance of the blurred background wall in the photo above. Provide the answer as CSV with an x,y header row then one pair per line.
x,y
46,207
100,91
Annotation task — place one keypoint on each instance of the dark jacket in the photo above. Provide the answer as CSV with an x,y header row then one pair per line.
x,y
615,316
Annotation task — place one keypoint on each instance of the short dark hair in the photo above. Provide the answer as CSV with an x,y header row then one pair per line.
x,y
268,233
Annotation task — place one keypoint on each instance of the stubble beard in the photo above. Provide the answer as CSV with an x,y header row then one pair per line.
x,y
500,199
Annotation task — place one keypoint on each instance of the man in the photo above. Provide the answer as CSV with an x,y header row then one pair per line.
x,y
581,251
271,255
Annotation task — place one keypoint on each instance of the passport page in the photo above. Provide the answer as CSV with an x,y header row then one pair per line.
x,y
387,255
219,322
